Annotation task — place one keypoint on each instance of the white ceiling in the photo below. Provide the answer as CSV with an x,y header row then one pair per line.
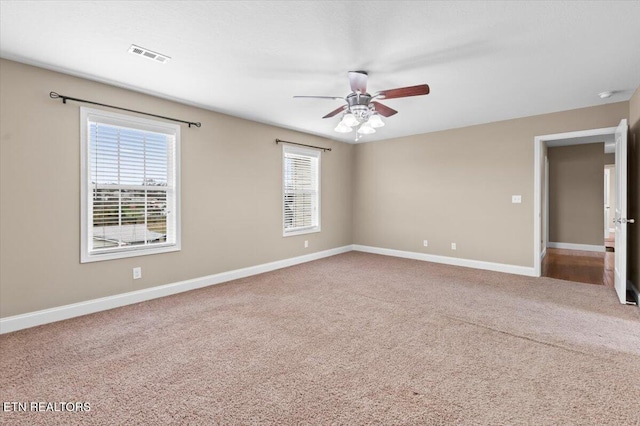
x,y
484,61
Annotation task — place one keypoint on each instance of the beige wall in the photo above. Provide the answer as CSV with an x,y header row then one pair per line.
x,y
576,194
609,158
456,186
231,195
450,186
634,189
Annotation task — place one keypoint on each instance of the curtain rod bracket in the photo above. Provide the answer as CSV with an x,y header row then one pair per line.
x,y
54,95
301,144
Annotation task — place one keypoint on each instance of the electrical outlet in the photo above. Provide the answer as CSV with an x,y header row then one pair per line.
x,y
306,244
137,273
425,243
516,199
454,246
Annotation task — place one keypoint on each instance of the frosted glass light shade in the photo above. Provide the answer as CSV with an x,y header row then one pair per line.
x,y
342,128
366,129
349,120
375,121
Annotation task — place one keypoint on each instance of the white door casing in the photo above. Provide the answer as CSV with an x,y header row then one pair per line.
x,y
538,179
621,212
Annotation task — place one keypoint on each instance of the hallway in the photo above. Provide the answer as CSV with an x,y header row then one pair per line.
x,y
580,266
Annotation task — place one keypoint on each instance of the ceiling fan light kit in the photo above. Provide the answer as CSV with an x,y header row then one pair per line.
x,y
349,119
342,128
375,121
366,129
362,111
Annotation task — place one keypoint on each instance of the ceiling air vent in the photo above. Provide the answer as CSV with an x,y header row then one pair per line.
x,y
146,53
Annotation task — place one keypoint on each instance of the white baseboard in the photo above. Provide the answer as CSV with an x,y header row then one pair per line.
x,y
477,264
571,246
45,316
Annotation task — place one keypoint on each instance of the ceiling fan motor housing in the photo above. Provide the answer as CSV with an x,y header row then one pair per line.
x,y
359,105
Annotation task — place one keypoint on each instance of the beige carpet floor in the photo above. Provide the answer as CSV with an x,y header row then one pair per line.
x,y
351,339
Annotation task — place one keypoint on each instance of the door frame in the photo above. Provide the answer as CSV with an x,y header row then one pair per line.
x,y
607,197
538,160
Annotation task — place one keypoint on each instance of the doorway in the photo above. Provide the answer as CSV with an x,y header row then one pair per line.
x,y
541,205
576,197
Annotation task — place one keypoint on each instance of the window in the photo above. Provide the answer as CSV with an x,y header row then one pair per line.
x,y
301,190
130,186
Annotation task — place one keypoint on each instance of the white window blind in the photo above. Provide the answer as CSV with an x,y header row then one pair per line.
x,y
131,198
301,190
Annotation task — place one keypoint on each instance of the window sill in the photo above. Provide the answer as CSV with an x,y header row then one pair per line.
x,y
313,230
97,257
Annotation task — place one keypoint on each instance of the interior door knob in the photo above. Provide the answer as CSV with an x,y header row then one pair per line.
x,y
624,220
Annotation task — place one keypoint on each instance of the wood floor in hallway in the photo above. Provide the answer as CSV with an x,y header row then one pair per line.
x,y
579,266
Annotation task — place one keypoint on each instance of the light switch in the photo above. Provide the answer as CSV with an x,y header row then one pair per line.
x,y
516,199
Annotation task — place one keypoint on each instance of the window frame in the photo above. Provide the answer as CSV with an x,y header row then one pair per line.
x,y
316,154
86,201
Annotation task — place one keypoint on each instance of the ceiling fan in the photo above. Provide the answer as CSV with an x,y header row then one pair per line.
x,y
362,111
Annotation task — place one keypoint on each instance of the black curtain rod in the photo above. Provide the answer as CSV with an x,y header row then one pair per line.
x,y
301,144
54,95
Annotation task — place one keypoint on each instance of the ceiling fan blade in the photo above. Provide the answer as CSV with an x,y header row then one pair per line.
x,y
358,81
384,110
335,111
403,92
320,97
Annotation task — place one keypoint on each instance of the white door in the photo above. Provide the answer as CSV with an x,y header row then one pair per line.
x,y
621,212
